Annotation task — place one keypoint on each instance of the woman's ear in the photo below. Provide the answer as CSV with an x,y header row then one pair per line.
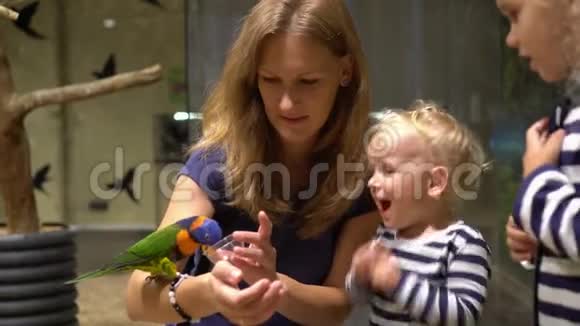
x,y
438,183
346,71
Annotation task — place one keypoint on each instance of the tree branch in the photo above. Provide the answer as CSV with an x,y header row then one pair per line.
x,y
24,104
8,13
14,3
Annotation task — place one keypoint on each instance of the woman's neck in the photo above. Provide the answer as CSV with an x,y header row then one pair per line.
x,y
295,153
297,159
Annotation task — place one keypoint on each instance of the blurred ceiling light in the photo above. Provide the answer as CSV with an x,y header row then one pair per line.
x,y
181,116
109,23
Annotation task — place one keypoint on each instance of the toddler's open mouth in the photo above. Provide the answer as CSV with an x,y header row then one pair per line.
x,y
384,205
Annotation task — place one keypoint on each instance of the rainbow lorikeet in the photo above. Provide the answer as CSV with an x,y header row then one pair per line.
x,y
158,252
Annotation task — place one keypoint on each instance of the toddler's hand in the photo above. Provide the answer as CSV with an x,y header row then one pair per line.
x,y
522,246
386,272
362,262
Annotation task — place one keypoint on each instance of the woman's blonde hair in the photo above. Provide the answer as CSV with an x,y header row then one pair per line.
x,y
451,143
234,120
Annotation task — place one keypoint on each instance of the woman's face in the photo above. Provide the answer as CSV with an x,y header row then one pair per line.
x,y
298,79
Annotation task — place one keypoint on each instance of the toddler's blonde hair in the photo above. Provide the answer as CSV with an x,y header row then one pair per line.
x,y
451,143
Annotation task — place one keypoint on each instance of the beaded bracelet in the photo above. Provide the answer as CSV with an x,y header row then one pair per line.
x,y
172,298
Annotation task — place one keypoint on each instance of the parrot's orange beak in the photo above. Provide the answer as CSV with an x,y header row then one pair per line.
x,y
204,248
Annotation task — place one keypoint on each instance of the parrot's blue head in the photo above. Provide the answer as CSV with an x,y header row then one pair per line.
x,y
205,231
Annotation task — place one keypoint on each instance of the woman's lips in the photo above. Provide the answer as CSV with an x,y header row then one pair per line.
x,y
294,120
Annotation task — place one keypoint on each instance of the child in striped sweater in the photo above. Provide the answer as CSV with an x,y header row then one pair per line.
x,y
424,267
545,228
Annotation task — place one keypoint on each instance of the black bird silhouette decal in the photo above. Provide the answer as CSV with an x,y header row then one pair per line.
x,y
25,18
41,177
109,69
99,205
125,184
155,3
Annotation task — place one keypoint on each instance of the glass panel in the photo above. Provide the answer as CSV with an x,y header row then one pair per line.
x,y
93,144
120,130
449,51
34,64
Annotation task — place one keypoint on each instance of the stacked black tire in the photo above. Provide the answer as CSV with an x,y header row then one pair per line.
x,y
33,270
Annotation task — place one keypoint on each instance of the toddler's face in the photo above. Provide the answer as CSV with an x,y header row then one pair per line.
x,y
537,31
401,171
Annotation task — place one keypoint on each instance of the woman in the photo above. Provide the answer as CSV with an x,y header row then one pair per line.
x,y
282,130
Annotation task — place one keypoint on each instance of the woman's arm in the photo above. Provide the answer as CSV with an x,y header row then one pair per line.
x,y
205,294
328,304
148,300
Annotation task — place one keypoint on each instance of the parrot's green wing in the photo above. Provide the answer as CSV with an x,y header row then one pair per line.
x,y
149,254
158,244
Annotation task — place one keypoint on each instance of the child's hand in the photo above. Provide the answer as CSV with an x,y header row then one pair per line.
x,y
375,267
362,262
521,245
386,272
541,148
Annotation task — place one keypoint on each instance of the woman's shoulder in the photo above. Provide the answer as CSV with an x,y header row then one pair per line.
x,y
206,168
205,156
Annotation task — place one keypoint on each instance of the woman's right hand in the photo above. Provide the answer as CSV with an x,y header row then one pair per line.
x,y
521,245
250,306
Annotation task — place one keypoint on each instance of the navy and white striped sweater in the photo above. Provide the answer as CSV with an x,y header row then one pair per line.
x,y
547,206
444,279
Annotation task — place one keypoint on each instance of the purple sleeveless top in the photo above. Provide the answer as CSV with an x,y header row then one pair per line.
x,y
305,260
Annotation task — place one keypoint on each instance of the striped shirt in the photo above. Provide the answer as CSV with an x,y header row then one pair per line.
x,y
547,206
444,279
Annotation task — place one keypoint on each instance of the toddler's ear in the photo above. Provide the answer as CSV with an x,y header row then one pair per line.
x,y
439,181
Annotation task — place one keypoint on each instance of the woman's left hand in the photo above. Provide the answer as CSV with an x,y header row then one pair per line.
x,y
258,261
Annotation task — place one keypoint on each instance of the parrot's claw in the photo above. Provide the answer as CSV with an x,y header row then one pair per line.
x,y
152,278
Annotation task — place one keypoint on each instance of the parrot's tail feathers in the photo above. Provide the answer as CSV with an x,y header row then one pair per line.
x,y
90,275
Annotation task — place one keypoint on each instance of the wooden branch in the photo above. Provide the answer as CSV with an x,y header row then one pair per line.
x,y
14,3
24,104
6,81
8,13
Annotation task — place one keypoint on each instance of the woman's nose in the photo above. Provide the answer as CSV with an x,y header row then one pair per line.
x,y
286,102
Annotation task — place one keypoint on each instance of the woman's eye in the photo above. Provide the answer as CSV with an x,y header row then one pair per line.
x,y
269,79
309,81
